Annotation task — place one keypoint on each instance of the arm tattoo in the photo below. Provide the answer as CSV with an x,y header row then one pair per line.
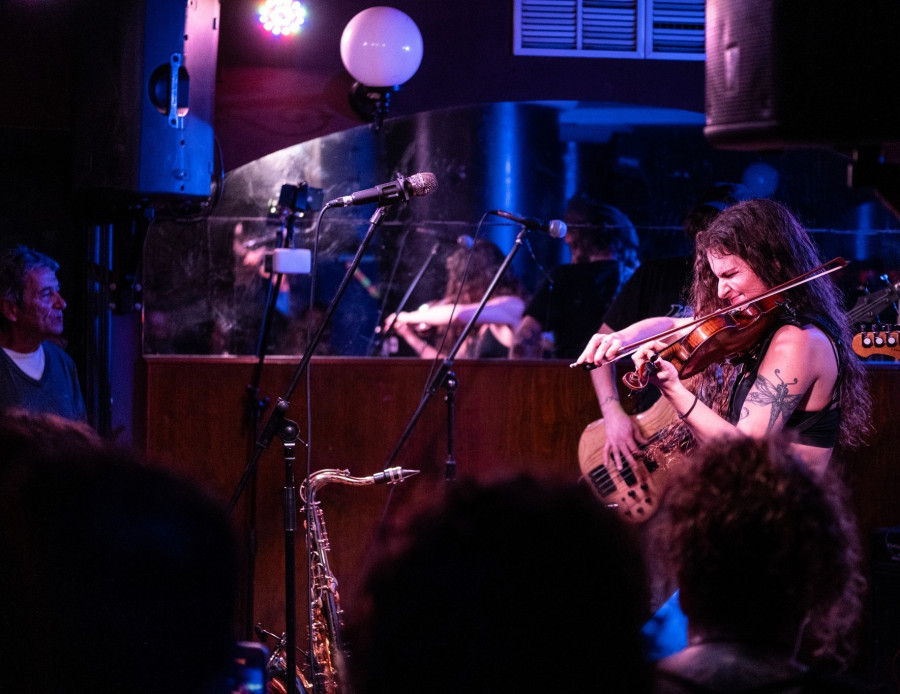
x,y
777,396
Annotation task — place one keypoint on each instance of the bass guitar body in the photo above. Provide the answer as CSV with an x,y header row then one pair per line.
x,y
635,497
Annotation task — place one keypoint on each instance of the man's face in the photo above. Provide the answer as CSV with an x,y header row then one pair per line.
x,y
40,314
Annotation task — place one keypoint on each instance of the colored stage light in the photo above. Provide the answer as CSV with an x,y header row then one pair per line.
x,y
282,17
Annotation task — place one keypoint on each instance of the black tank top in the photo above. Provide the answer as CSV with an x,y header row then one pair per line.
x,y
817,428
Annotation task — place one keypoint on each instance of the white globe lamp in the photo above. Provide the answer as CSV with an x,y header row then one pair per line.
x,y
381,48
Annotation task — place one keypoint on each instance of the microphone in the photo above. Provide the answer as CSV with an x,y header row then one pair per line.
x,y
465,240
556,228
392,475
400,189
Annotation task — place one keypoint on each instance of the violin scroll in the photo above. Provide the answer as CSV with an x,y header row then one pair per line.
x,y
640,377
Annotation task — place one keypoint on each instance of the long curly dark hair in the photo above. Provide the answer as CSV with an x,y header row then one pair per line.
x,y
762,548
470,271
770,239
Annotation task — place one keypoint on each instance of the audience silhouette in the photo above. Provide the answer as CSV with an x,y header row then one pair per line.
x,y
506,586
116,575
767,558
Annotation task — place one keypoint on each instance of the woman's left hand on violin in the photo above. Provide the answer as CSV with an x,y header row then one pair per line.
x,y
654,368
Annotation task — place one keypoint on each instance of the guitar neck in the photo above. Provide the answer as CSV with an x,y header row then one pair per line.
x,y
870,305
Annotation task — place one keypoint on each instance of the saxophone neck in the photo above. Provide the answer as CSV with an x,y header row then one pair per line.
x,y
320,478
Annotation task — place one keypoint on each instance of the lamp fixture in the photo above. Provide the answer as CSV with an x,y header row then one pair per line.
x,y
381,48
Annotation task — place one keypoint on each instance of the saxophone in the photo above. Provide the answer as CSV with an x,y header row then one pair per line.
x,y
276,667
326,661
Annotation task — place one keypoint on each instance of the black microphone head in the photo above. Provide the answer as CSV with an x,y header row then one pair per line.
x,y
556,228
422,183
465,241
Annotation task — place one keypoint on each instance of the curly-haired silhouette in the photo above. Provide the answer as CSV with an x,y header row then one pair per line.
x,y
767,559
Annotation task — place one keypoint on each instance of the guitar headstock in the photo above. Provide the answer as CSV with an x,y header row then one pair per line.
x,y
881,340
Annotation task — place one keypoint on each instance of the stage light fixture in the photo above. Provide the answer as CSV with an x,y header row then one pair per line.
x,y
282,17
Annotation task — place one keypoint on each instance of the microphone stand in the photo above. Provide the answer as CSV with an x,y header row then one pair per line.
x,y
287,430
381,334
445,378
255,405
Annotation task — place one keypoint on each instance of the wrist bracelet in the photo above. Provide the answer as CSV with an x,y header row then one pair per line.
x,y
684,416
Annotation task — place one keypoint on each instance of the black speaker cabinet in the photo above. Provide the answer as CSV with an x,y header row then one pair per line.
x,y
144,76
884,602
784,73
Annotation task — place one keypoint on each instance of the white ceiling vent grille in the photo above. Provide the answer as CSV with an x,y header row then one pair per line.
x,y
677,28
610,25
548,25
659,29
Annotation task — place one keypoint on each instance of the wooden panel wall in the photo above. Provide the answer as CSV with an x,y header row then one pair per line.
x,y
509,416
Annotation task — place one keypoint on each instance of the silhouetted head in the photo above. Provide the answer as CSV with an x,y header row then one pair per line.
x,y
595,228
713,200
117,575
762,548
503,587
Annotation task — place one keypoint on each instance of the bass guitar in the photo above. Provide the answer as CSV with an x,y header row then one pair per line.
x,y
634,498
868,306
882,340
879,339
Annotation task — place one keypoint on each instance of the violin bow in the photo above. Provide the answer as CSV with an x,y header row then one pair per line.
x,y
820,271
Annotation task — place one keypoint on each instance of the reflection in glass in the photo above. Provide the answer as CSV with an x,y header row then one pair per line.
x,y
205,281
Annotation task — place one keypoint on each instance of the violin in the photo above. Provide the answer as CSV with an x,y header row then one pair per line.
x,y
723,334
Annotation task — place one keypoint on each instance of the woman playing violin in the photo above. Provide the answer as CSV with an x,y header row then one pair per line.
x,y
469,274
799,373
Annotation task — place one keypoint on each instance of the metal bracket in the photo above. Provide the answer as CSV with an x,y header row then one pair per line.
x,y
176,114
